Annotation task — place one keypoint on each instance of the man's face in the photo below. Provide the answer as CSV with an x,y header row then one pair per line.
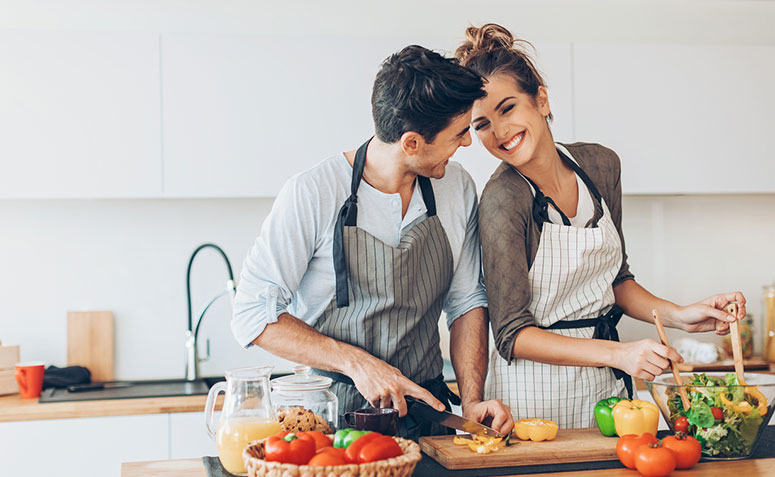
x,y
432,158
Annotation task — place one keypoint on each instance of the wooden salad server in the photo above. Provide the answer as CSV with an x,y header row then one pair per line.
x,y
676,375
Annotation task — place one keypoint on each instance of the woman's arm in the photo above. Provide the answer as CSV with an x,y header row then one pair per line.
x,y
705,315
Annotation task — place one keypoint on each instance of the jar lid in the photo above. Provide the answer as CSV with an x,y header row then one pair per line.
x,y
301,380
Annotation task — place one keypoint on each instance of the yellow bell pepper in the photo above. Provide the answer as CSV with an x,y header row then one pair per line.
x,y
536,430
635,417
744,406
480,444
761,401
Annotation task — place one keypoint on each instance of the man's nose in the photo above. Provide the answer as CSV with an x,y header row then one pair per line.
x,y
466,139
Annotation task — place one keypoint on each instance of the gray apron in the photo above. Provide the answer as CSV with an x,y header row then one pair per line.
x,y
389,299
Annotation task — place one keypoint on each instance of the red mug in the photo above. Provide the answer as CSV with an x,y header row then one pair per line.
x,y
29,376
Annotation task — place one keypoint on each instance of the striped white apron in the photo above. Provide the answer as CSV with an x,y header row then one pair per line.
x,y
571,279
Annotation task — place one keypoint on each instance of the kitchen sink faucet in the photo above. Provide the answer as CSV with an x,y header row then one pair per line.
x,y
192,354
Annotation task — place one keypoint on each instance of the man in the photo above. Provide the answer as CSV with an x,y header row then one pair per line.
x,y
361,253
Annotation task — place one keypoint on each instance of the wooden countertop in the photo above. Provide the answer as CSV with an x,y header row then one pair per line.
x,y
14,408
195,468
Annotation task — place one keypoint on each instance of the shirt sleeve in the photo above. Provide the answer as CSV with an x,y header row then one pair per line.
x,y
503,223
466,291
616,215
276,263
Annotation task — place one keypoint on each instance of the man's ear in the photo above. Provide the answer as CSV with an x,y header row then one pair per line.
x,y
411,142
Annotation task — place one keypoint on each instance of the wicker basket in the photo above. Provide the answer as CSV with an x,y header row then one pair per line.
x,y
401,466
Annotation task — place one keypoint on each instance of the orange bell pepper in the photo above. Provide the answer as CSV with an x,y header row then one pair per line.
x,y
536,430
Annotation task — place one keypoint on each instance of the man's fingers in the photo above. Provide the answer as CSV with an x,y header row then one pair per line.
x,y
399,403
425,395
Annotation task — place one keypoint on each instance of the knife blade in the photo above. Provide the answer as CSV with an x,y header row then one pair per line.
x,y
448,419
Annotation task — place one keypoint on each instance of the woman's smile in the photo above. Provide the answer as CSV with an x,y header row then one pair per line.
x,y
513,144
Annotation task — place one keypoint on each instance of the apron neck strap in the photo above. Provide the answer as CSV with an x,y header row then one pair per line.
x,y
541,202
348,215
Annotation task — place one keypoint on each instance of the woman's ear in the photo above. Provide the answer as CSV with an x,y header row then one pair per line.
x,y
542,101
411,142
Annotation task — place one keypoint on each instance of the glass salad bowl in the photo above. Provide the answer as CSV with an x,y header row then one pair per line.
x,y
728,419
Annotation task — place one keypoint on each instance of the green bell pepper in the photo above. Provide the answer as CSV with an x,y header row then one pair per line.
x,y
604,416
340,435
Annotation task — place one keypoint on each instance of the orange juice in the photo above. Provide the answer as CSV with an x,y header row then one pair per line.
x,y
235,433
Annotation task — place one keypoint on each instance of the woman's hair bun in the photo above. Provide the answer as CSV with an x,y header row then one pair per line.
x,y
488,37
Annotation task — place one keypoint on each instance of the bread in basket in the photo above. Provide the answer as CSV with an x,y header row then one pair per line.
x,y
401,466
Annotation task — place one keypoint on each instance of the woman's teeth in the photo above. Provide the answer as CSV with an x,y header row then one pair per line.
x,y
514,142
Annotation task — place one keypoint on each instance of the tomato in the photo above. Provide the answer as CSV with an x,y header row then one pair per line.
x,y
328,456
297,451
353,451
687,450
384,447
718,414
628,444
654,461
681,424
321,440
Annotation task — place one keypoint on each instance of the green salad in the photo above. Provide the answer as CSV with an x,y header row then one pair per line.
x,y
726,420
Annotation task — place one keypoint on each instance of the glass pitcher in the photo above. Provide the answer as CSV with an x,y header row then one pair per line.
x,y
247,414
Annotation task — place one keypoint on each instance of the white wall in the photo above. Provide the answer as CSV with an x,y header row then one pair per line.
x,y
130,256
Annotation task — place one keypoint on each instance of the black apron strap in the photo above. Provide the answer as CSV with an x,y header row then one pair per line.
x,y
348,216
605,329
541,202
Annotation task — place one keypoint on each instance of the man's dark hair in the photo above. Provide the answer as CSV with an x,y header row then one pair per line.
x,y
419,90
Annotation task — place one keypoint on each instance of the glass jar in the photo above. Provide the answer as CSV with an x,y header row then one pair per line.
x,y
769,323
305,390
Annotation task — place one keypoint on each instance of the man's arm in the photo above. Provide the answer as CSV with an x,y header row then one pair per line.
x,y
468,349
380,383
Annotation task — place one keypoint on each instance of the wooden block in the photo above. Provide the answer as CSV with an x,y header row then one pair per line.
x,y
9,356
90,342
570,445
8,381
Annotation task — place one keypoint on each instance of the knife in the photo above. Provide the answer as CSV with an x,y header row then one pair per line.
x,y
78,388
428,413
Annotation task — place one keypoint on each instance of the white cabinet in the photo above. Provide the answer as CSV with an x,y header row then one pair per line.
x,y
188,437
242,114
79,447
79,114
683,119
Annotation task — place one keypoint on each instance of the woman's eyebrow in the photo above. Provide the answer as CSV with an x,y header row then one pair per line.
x,y
497,107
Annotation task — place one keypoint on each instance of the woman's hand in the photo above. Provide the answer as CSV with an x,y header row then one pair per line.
x,y
708,314
645,359
491,413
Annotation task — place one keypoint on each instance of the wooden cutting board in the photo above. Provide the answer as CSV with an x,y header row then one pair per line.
x,y
570,445
754,362
90,342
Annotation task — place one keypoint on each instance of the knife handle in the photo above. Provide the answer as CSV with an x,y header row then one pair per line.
x,y
78,388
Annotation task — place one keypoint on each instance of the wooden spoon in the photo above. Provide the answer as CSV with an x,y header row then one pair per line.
x,y
676,375
737,348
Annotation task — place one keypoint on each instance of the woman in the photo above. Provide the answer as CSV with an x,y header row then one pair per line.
x,y
556,272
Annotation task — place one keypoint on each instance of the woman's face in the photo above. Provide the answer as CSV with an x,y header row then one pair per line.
x,y
510,124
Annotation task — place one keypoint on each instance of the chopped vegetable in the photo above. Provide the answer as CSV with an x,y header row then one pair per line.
x,y
481,444
536,430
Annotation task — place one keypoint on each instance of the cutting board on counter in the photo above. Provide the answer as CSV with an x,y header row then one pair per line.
x,y
752,363
90,342
570,445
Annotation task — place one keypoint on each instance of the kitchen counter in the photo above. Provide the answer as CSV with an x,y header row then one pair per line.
x,y
14,408
195,468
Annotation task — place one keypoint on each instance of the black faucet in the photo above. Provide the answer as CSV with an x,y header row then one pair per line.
x,y
192,355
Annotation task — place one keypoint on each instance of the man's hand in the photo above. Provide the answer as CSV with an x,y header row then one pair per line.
x,y
709,314
384,386
492,413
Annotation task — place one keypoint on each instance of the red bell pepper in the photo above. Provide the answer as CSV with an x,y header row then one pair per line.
x,y
297,451
379,449
353,452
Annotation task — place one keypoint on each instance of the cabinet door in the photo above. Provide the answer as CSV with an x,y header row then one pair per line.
x,y
188,437
79,115
553,61
79,447
683,119
242,114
